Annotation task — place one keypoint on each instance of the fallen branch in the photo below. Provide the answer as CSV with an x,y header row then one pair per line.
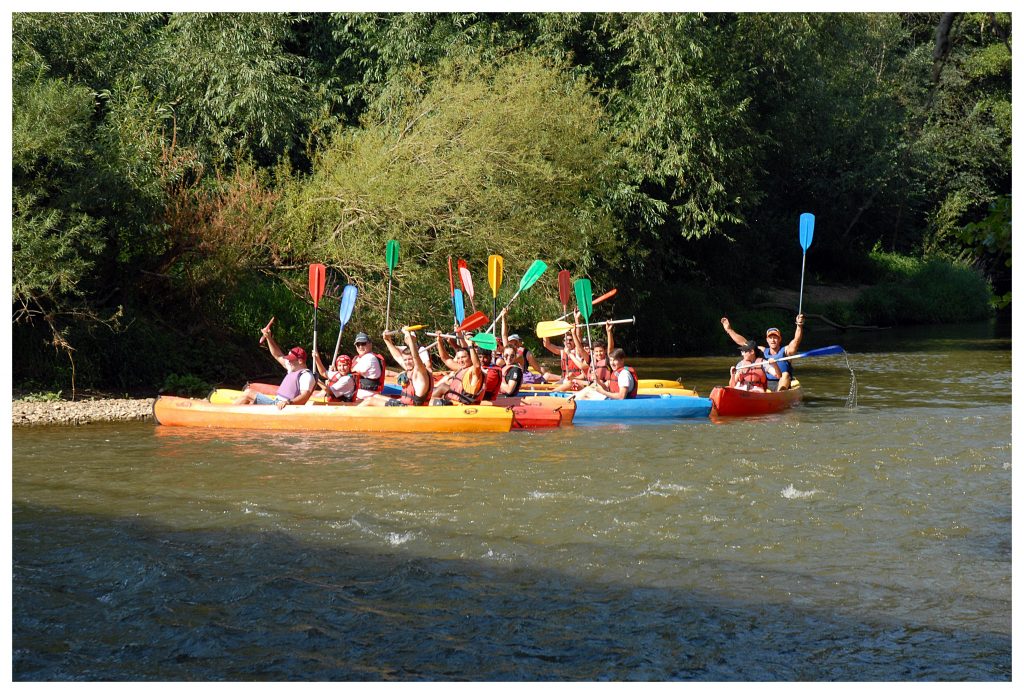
x,y
823,319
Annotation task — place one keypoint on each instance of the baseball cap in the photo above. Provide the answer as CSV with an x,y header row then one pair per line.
x,y
296,354
749,345
362,337
774,330
514,336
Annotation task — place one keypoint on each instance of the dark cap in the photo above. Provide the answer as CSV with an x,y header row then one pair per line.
x,y
362,337
749,345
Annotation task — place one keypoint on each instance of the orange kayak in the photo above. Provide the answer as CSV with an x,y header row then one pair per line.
x,y
734,402
172,411
536,412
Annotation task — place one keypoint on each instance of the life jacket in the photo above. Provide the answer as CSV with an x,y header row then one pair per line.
x,y
457,393
602,371
519,378
752,376
492,382
613,382
782,366
289,388
569,368
408,396
335,378
374,384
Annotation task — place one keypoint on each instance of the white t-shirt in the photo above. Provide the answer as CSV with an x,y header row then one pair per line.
x,y
367,366
625,381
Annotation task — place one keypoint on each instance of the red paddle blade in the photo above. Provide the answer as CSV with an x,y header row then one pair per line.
x,y
564,287
474,321
607,295
451,279
465,278
317,280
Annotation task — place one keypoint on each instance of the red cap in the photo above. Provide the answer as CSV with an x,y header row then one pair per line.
x,y
343,359
296,354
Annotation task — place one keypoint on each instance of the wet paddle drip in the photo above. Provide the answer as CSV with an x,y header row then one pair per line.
x,y
851,399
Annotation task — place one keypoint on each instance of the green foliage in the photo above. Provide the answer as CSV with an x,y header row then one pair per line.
x,y
46,396
187,386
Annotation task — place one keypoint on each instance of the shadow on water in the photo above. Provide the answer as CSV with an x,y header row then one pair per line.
x,y
120,599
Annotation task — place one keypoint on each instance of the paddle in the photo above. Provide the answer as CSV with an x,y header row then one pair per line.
x,y
607,295
474,321
391,258
451,284
806,236
820,352
264,337
460,306
533,274
495,268
348,302
585,304
466,280
317,279
410,328
552,328
564,289
481,340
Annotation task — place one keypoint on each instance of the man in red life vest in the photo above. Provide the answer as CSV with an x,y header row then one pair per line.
x,y
775,350
297,385
465,384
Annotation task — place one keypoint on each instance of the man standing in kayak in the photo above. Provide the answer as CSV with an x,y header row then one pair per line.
x,y
774,350
297,385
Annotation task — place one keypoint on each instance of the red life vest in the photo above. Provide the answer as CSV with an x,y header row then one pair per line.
x,y
613,383
602,372
456,392
569,367
408,396
492,382
374,384
331,397
752,376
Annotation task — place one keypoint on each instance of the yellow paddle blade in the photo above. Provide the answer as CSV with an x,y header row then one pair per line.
x,y
495,269
552,328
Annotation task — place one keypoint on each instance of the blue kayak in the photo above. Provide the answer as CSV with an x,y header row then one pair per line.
x,y
640,407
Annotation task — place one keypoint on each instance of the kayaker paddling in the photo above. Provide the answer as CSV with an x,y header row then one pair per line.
x,y
415,381
752,371
297,385
774,350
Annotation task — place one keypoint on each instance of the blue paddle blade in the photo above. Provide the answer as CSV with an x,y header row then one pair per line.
x,y
820,352
806,230
460,307
348,302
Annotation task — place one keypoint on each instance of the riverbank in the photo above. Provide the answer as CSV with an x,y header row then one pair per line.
x,y
77,412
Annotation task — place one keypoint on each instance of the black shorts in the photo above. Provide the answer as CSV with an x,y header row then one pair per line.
x,y
394,403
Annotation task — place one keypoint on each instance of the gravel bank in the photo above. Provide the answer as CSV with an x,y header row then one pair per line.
x,y
81,411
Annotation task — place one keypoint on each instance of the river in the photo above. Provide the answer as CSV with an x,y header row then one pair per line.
x,y
830,542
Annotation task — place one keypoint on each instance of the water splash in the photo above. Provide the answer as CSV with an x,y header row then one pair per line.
x,y
792,492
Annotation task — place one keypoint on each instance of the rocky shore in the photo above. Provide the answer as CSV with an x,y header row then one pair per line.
x,y
65,412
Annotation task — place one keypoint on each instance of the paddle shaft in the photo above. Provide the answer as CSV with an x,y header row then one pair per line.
x,y
820,352
803,266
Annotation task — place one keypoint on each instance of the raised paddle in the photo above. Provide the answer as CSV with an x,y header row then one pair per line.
x,y
530,278
585,304
317,280
348,302
806,236
564,289
460,306
474,321
481,340
264,337
391,258
451,284
607,295
495,269
466,280
820,352
410,328
553,328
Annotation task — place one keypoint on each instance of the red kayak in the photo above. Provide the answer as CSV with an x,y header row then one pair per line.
x,y
735,402
532,412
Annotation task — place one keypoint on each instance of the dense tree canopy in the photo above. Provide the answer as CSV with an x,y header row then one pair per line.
x,y
173,174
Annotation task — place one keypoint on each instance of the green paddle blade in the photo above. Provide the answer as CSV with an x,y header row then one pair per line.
x,y
806,230
391,255
485,341
584,298
532,275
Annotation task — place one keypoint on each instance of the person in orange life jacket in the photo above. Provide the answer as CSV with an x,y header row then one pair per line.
x,y
623,383
775,350
574,360
502,381
340,384
524,357
752,371
465,384
369,366
297,385
415,380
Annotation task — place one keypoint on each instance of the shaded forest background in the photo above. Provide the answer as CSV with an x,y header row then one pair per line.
x,y
175,174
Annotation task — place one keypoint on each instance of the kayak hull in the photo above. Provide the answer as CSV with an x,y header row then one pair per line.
x,y
172,411
731,402
641,407
651,384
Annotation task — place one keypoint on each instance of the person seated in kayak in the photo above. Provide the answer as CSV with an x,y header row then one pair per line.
x,y
525,358
623,383
574,361
369,366
464,385
501,381
752,371
416,380
775,350
297,385
601,370
340,384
